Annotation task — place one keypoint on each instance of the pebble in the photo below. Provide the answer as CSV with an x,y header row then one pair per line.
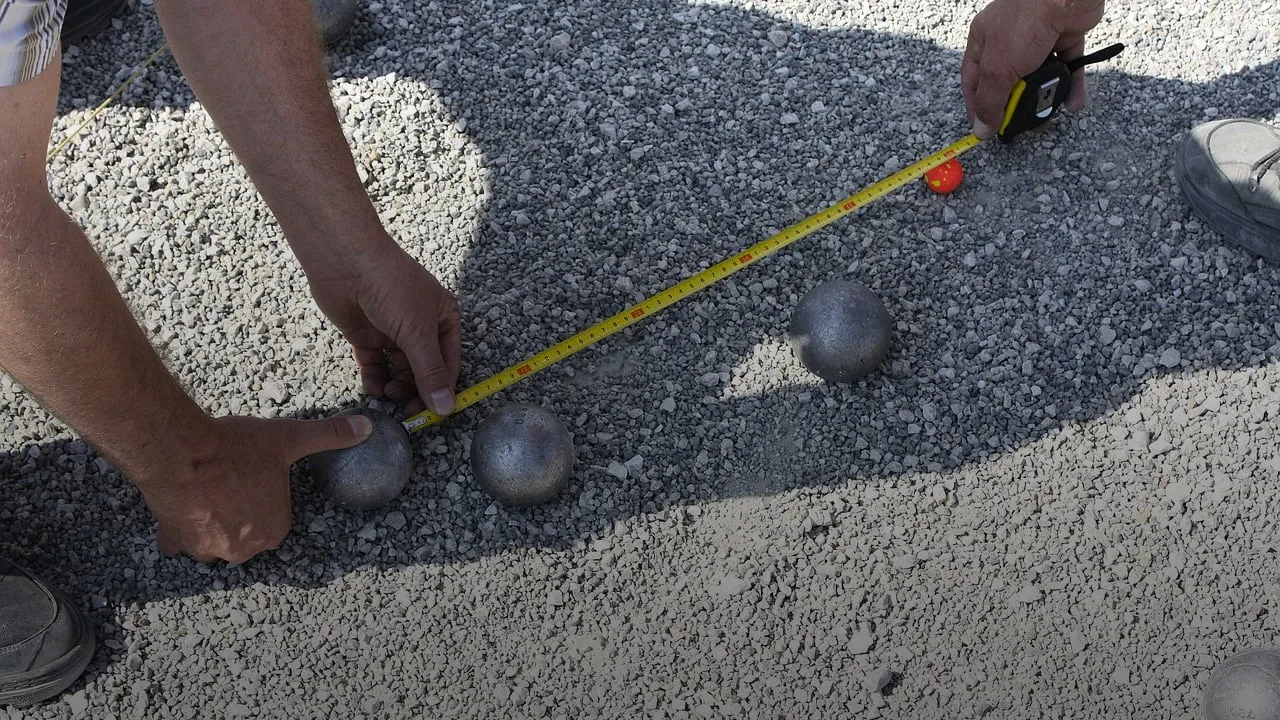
x,y
560,42
1028,594
880,679
395,520
729,585
862,642
273,391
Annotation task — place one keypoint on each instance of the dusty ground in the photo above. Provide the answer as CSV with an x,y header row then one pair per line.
x,y
1056,500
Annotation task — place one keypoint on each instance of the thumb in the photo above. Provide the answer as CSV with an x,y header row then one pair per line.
x,y
1071,47
308,437
430,372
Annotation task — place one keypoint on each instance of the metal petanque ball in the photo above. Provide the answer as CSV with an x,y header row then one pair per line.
x,y
841,331
368,475
522,455
335,17
1245,685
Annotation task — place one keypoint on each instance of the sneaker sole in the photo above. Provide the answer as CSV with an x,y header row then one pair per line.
x,y
61,674
1242,231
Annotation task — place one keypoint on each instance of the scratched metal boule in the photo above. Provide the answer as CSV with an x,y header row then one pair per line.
x,y
335,17
368,475
841,331
522,455
1245,685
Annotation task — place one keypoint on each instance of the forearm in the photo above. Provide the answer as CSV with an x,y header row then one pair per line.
x,y
69,338
257,68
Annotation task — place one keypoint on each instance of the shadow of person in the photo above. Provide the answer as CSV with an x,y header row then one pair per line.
x,y
625,150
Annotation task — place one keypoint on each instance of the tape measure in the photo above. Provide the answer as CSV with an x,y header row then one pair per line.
x,y
1050,85
693,284
1039,96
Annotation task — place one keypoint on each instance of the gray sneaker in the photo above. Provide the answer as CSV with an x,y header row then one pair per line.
x,y
45,641
1229,171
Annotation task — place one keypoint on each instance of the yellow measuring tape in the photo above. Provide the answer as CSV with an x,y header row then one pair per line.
x,y
685,288
110,98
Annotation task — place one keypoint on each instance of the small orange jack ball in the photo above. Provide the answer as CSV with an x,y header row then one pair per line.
x,y
945,178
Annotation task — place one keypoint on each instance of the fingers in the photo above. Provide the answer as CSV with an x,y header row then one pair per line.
x,y
971,67
995,85
374,373
431,374
1078,98
170,545
1069,48
167,542
432,344
450,333
449,336
402,387
987,75
300,438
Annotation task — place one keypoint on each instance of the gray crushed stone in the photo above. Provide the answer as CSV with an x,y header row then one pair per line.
x,y
1056,499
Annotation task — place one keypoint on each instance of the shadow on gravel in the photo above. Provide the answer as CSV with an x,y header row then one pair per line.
x,y
638,155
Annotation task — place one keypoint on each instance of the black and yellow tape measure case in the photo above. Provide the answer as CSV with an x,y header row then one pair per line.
x,y
1040,95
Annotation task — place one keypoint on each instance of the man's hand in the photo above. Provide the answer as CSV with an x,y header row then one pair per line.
x,y
257,68
234,502
1010,39
404,327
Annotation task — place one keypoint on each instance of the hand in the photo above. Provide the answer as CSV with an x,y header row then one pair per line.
x,y
1008,40
402,324
234,502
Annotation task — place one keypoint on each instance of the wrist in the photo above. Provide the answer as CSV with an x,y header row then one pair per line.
x,y
172,462
341,245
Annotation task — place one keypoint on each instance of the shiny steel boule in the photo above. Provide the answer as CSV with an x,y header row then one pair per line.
x,y
1245,685
841,331
368,475
522,455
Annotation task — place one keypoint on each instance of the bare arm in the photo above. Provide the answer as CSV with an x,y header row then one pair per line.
x,y
257,68
219,488
65,332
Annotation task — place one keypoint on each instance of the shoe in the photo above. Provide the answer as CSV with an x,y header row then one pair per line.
x,y
1229,171
45,641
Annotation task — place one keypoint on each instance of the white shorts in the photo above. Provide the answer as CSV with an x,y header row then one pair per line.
x,y
30,33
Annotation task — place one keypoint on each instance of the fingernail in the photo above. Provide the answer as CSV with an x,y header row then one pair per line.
x,y
442,402
361,426
981,129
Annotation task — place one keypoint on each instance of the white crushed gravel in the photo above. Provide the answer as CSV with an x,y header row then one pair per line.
x,y
1056,499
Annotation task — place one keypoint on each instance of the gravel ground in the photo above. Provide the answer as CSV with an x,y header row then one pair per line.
x,y
1055,500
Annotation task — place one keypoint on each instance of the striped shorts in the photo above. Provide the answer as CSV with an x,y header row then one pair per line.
x,y
29,37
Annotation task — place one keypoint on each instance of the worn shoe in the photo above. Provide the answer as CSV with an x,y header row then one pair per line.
x,y
1229,171
45,641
